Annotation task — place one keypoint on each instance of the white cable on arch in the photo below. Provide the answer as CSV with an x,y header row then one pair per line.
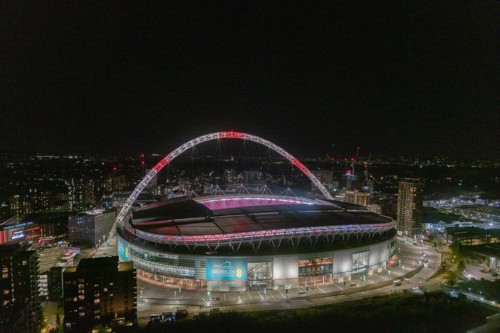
x,y
204,138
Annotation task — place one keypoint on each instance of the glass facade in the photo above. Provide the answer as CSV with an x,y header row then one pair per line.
x,y
260,274
360,261
315,267
261,271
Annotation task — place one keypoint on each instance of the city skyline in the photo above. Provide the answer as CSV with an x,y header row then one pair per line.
x,y
403,79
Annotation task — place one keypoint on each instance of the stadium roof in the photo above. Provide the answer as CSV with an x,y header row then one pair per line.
x,y
187,218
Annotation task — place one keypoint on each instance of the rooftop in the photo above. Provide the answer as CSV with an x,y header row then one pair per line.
x,y
188,217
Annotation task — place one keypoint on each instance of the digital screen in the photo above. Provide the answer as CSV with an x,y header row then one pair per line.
x,y
17,234
123,249
226,269
75,250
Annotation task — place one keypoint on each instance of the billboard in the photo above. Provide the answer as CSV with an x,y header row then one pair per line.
x,y
226,269
123,249
18,234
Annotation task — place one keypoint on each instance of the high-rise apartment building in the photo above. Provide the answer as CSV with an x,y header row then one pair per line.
x,y
19,301
100,293
410,206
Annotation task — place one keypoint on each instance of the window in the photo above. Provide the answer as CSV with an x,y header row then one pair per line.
x,y
360,261
317,266
259,270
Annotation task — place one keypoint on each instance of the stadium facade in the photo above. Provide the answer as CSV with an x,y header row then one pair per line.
x,y
254,241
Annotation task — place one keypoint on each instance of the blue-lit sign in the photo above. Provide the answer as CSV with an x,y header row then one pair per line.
x,y
226,269
17,234
123,249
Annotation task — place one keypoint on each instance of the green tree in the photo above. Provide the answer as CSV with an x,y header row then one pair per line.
x,y
460,267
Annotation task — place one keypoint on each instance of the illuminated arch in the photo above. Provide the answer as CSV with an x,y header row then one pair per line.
x,y
209,137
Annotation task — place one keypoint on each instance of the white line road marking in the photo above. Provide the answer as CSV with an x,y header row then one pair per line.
x,y
382,277
337,286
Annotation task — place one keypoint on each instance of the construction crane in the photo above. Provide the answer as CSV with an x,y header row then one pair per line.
x,y
367,165
353,160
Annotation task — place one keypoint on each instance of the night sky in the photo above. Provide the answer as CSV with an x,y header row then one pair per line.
x,y
406,77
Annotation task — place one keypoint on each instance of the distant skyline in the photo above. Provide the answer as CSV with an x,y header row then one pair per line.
x,y
393,79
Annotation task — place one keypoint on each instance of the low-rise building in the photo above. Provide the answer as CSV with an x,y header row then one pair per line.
x,y
91,227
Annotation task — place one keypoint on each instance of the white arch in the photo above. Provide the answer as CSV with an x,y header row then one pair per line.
x,y
204,138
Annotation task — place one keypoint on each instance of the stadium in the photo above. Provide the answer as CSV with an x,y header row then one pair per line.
x,y
247,240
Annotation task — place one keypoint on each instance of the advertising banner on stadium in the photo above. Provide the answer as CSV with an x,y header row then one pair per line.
x,y
123,249
226,269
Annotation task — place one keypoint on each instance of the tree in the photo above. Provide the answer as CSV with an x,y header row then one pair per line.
x,y
460,267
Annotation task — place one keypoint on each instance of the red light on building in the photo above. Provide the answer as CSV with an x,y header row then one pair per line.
x,y
142,162
114,168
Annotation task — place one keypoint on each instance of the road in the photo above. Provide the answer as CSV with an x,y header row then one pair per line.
x,y
156,297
